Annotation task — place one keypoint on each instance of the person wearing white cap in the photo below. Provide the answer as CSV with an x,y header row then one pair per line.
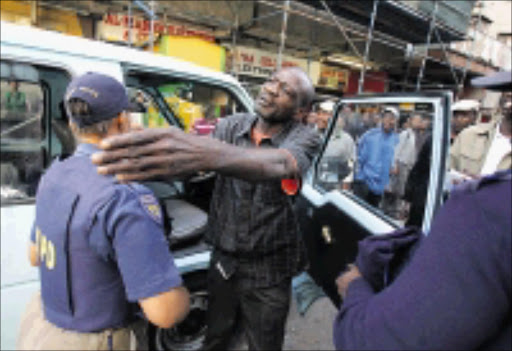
x,y
323,115
465,113
339,157
485,148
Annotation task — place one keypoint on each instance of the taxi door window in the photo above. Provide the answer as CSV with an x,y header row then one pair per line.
x,y
33,129
22,133
380,154
144,112
195,106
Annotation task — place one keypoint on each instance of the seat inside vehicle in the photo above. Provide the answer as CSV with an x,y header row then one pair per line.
x,y
188,222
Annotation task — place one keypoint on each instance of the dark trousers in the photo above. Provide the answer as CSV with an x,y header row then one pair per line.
x,y
362,191
262,312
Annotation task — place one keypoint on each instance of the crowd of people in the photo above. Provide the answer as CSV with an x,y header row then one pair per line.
x,y
374,154
455,292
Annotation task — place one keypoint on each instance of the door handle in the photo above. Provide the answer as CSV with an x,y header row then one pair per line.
x,y
326,234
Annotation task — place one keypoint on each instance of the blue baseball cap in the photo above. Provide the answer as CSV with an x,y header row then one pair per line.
x,y
105,96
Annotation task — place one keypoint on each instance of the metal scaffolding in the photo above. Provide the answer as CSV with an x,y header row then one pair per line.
x,y
351,32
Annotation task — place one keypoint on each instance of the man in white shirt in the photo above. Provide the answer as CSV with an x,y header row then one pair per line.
x,y
485,148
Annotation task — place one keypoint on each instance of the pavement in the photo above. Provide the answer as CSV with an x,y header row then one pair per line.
x,y
313,331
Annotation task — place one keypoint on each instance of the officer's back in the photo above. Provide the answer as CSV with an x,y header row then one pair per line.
x,y
100,244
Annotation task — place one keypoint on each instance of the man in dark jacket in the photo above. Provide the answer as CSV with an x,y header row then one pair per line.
x,y
259,159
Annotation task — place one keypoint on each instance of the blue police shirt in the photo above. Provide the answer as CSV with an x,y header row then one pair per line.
x,y
455,292
375,152
101,246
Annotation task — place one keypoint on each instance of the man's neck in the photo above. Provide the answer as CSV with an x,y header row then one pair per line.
x,y
90,139
267,128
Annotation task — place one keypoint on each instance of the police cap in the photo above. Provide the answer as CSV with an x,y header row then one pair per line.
x,y
105,96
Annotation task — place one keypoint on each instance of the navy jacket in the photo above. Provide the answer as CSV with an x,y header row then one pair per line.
x,y
456,291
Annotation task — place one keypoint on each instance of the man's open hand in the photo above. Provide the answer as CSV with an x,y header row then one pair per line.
x,y
151,153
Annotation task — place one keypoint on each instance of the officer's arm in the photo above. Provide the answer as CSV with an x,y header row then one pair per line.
x,y
33,254
168,308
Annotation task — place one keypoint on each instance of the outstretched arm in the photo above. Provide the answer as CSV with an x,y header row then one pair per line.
x,y
170,152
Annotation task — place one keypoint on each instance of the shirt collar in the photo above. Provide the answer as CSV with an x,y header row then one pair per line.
x,y
86,149
249,123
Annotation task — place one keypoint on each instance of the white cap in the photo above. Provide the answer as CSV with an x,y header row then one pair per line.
x,y
466,105
392,110
327,106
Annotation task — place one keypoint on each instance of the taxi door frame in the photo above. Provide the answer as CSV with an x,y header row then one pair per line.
x,y
327,218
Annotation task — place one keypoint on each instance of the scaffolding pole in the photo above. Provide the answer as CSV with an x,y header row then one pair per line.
x,y
445,54
152,27
283,34
342,29
234,53
429,36
368,44
130,39
472,51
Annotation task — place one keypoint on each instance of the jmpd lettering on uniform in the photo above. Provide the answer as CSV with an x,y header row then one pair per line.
x,y
46,250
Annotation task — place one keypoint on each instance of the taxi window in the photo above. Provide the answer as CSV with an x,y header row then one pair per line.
x,y
22,136
380,154
144,111
195,106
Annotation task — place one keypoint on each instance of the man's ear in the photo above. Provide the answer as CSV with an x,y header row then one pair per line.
x,y
301,114
123,122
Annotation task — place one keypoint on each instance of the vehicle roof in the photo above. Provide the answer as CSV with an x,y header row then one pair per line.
x,y
47,40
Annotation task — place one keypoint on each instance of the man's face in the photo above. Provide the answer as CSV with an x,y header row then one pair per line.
x,y
388,122
278,100
462,119
323,119
416,122
14,86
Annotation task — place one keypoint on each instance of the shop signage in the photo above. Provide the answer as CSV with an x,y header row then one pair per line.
x,y
115,27
333,78
259,63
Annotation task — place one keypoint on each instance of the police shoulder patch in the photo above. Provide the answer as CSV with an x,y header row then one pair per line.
x,y
152,207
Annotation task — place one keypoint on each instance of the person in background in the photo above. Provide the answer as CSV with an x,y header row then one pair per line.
x,y
339,157
375,150
259,160
405,155
455,292
324,114
485,147
465,114
99,244
353,124
15,100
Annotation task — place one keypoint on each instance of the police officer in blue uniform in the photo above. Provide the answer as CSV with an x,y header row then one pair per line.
x,y
455,292
99,244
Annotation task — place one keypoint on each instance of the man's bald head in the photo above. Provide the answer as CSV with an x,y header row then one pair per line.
x,y
305,89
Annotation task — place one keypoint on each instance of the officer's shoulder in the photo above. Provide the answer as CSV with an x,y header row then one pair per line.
x,y
133,189
483,183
